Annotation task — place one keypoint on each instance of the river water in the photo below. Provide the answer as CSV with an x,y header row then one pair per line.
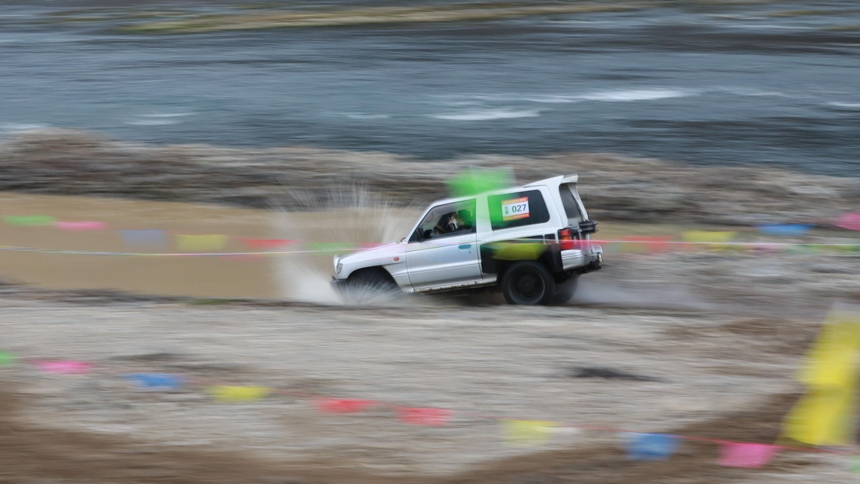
x,y
722,85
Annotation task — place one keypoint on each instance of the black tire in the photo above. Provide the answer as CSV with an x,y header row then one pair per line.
x,y
369,286
528,283
564,291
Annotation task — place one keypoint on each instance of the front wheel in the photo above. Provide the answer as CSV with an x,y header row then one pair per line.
x,y
528,283
369,287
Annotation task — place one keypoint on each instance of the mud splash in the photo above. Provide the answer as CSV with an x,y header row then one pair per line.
x,y
352,216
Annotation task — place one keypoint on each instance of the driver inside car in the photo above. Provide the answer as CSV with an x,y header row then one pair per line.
x,y
459,221
447,224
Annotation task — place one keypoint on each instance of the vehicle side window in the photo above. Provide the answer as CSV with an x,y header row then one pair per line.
x,y
447,220
517,209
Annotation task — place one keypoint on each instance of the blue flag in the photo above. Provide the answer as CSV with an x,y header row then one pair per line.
x,y
144,238
787,230
159,381
651,446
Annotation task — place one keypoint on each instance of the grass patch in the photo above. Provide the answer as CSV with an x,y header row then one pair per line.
x,y
804,13
844,28
102,15
368,16
209,302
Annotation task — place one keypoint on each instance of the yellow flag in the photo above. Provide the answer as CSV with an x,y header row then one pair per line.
x,y
524,433
832,359
199,243
707,236
238,393
719,239
824,415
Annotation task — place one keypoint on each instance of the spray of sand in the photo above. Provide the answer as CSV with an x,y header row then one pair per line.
x,y
350,215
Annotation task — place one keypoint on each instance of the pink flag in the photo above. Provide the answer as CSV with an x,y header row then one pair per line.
x,y
580,244
266,243
433,417
651,244
850,221
80,226
737,454
338,405
243,256
64,367
765,248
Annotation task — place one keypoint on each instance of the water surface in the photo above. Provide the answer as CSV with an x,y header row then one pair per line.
x,y
730,85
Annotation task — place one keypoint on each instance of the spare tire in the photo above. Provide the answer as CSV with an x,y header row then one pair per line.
x,y
528,283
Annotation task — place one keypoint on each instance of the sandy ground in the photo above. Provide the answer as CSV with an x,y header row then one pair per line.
x,y
718,335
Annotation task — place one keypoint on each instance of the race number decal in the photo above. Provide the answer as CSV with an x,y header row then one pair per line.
x,y
514,209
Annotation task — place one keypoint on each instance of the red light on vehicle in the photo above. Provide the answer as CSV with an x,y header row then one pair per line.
x,y
566,239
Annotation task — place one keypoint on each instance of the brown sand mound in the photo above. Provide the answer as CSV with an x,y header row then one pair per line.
x,y
616,187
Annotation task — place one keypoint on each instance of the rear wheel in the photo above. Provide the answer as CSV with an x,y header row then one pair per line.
x,y
528,283
564,291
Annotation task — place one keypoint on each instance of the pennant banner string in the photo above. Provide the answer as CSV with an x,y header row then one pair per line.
x,y
343,248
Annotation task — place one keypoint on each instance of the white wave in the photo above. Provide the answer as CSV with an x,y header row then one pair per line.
x,y
746,91
632,95
845,105
535,98
21,126
550,99
166,115
488,114
152,122
365,116
497,97
622,95
768,26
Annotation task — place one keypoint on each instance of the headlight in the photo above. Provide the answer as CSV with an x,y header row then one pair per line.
x,y
339,267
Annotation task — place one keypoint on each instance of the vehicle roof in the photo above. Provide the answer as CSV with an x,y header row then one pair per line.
x,y
552,181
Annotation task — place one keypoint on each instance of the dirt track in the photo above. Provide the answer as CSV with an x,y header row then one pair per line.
x,y
715,335
722,364
40,453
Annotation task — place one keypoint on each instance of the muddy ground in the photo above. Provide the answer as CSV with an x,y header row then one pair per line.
x,y
716,337
712,337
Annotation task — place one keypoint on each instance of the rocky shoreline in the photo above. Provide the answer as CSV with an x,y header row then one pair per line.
x,y
62,162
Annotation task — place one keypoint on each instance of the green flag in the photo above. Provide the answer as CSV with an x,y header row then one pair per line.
x,y
6,359
29,220
473,181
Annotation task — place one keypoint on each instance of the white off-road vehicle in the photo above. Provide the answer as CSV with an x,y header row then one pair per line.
x,y
530,240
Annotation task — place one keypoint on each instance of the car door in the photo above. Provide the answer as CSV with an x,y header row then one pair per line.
x,y
445,254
